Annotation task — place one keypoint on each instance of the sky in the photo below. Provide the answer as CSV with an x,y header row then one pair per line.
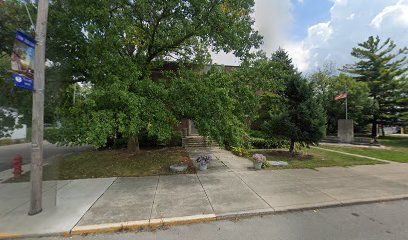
x,y
319,32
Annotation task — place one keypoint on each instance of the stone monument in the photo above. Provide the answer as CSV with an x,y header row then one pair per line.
x,y
345,130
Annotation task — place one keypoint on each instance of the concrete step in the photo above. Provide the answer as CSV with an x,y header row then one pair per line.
x,y
200,143
197,141
330,139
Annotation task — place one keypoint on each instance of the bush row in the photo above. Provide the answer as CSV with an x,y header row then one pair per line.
x,y
268,143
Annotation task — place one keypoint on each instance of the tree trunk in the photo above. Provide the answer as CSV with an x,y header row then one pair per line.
x,y
374,129
292,146
382,130
133,144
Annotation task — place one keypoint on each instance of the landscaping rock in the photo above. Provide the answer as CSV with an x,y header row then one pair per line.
x,y
278,163
178,167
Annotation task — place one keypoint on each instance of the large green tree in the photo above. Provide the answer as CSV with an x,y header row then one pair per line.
x,y
113,47
300,117
326,86
275,73
384,68
14,16
13,101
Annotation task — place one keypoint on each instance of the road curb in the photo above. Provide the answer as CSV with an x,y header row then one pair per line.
x,y
246,214
151,224
154,224
30,235
9,236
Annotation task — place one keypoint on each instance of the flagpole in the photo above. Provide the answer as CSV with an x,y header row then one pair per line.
x,y
346,107
346,103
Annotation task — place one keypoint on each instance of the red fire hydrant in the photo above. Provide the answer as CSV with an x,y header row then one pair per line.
x,y
17,162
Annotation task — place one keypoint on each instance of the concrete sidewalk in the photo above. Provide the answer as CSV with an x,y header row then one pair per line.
x,y
229,188
73,197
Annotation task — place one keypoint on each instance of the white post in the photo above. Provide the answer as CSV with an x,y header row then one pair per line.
x,y
346,107
38,110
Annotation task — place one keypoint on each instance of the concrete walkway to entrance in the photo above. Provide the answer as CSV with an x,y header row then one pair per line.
x,y
229,188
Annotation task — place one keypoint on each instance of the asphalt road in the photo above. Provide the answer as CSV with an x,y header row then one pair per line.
x,y
7,153
382,221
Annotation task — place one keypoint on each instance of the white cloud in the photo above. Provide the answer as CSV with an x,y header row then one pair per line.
x,y
397,13
351,17
272,17
225,59
299,54
321,32
352,22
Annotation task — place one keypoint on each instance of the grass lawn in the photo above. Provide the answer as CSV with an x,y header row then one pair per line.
x,y
312,158
115,163
395,141
397,149
5,142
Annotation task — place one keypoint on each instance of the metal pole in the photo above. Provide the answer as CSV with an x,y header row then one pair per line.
x,y
38,110
29,16
346,107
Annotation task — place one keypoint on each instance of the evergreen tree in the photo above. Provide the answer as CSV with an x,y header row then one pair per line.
x,y
301,118
384,69
326,86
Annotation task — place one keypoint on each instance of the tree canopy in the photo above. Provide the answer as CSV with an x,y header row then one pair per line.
x,y
384,68
114,46
326,86
300,117
12,100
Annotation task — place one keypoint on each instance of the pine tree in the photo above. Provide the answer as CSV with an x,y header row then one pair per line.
x,y
384,69
302,118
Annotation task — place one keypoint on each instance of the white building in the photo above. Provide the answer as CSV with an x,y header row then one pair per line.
x,y
19,133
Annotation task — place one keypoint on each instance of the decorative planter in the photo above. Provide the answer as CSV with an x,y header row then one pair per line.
x,y
258,165
203,167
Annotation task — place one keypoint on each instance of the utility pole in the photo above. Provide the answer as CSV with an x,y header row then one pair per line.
x,y
38,110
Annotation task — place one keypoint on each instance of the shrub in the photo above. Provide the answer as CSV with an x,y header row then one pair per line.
x,y
152,141
265,164
4,142
242,152
257,134
175,140
275,142
52,134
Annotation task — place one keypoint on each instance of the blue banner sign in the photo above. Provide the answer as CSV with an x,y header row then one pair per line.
x,y
22,61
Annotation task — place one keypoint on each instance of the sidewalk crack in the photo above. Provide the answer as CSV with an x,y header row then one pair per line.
x,y
154,198
92,203
236,174
212,207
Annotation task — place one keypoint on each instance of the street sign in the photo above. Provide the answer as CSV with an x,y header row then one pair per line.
x,y
22,61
